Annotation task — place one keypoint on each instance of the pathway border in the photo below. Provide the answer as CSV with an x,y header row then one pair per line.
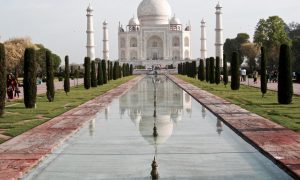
x,y
279,144
22,153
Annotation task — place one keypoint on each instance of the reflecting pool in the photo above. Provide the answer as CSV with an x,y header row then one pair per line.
x,y
191,143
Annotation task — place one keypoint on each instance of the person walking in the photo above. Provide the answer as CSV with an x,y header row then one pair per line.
x,y
10,87
17,89
255,76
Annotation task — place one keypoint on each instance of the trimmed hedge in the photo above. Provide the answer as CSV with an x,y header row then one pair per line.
x,y
104,71
217,72
212,70
100,74
93,75
29,81
50,77
87,73
2,79
207,66
285,83
67,75
225,70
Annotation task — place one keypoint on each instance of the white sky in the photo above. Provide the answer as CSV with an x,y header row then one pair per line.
x,y
61,24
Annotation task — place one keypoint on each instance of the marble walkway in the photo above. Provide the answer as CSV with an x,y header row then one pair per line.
x,y
22,153
279,144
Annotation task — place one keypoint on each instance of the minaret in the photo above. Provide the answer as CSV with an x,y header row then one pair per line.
x,y
203,40
105,41
219,34
90,47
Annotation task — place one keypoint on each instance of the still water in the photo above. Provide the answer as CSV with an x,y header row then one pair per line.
x,y
191,143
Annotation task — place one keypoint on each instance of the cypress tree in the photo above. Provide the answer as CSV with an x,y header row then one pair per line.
x,y
111,70
115,71
217,71
50,77
93,75
225,70
87,73
194,69
2,79
104,71
201,70
285,83
263,77
100,74
123,70
108,71
212,70
207,66
179,68
127,67
131,69
29,81
235,72
67,75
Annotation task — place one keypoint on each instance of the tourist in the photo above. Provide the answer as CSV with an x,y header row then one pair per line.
x,y
255,76
10,87
243,75
17,89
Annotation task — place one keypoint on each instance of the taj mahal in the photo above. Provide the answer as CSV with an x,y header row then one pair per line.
x,y
155,36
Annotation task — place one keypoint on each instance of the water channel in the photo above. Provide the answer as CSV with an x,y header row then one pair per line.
x,y
191,143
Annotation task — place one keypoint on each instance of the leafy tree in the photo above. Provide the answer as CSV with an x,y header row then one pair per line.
x,y
93,75
225,70
212,70
251,52
104,71
271,33
235,72
293,30
50,77
296,54
217,72
29,81
87,73
263,69
100,74
235,44
2,79
207,67
67,76
285,83
201,71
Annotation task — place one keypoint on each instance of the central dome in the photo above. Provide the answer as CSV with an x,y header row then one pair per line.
x,y
154,12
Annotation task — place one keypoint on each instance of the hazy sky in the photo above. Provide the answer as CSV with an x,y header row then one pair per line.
x,y
61,24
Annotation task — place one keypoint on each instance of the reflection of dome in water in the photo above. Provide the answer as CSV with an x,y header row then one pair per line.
x,y
176,115
164,128
135,116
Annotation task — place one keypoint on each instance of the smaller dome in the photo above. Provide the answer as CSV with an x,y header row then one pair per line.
x,y
175,20
134,22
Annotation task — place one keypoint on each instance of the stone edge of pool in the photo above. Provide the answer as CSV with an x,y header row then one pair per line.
x,y
22,153
279,144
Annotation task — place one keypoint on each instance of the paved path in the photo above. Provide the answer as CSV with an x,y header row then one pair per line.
x,y
22,153
42,88
278,143
271,86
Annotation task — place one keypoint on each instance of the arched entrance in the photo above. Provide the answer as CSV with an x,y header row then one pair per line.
x,y
155,49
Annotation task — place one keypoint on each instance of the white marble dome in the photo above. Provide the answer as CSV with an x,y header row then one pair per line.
x,y
154,12
134,22
175,20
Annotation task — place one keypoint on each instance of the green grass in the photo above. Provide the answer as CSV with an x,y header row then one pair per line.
x,y
250,98
17,119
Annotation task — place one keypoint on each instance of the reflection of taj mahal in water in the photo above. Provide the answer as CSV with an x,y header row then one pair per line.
x,y
171,103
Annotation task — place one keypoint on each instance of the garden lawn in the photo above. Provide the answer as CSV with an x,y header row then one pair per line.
x,y
250,98
17,119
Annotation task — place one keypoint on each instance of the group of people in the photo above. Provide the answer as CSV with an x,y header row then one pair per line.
x,y
12,87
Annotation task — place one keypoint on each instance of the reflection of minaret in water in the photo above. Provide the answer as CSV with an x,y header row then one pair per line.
x,y
154,171
155,134
106,113
203,112
219,126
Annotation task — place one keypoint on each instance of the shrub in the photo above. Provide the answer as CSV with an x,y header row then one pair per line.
x,y
93,75
217,73
263,76
100,74
235,72
225,70
50,77
207,66
285,83
87,73
2,79
29,81
104,71
212,70
67,75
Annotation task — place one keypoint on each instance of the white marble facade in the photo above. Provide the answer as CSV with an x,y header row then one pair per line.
x,y
155,37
